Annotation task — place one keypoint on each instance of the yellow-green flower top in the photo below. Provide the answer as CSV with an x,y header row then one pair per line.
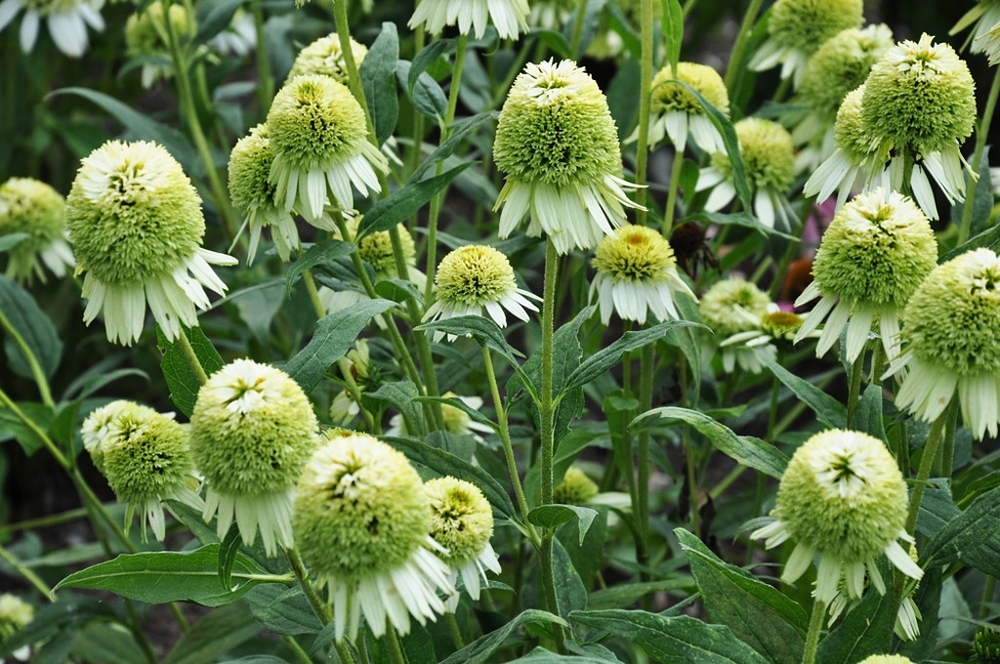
x,y
575,489
877,250
15,613
887,659
766,148
667,97
987,645
921,97
806,24
252,429
461,518
325,57
843,495
849,130
32,207
249,170
780,325
132,213
732,306
951,319
145,33
840,65
555,128
637,254
315,122
376,250
474,275
360,508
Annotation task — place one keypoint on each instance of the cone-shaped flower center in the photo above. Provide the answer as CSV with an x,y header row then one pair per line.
x,y
731,306
636,254
766,148
474,275
806,24
461,518
324,56
840,65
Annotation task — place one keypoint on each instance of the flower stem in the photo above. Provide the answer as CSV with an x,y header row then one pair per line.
x,y
187,350
578,21
24,571
393,646
981,135
926,464
454,631
265,81
319,607
734,69
812,636
675,179
310,284
645,83
33,364
854,392
647,365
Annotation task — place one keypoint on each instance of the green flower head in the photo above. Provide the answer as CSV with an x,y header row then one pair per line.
x,y
575,489
669,97
15,613
324,56
360,508
731,306
849,129
887,659
376,250
461,518
636,254
807,24
877,250
473,275
144,31
249,170
780,325
34,208
766,148
919,97
987,644
840,65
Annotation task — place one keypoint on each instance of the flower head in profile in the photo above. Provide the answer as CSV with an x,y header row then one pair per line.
x,y
636,273
253,194
851,160
319,134
462,524
34,208
15,613
362,523
146,459
357,363
951,344
472,16
775,328
136,225
67,21
730,307
252,431
324,56
798,27
920,104
477,280
576,488
676,113
766,149
871,259
843,498
558,145
145,37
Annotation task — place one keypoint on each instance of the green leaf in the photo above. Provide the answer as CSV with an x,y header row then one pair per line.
x,y
965,532
869,415
143,127
749,451
481,650
672,640
217,633
990,239
317,254
181,381
864,631
12,425
62,617
542,656
12,240
417,647
554,515
570,593
282,610
475,414
402,395
213,17
606,358
672,24
332,339
397,290
757,613
982,197
378,78
108,643
445,463
427,56
830,411
459,131
87,383
167,576
404,203
425,93
35,328
227,555
624,595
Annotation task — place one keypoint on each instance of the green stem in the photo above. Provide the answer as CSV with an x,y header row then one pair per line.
x,y
265,80
297,650
982,133
24,571
734,69
854,393
187,350
351,65
310,284
675,179
36,369
322,610
647,366
948,451
454,631
645,99
812,636
43,522
37,430
578,21
138,633
926,464
393,646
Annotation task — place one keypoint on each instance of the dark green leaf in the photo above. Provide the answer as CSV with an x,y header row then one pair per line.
x,y
459,131
214,17
425,58
106,643
401,395
749,451
315,255
183,384
332,339
830,411
624,595
86,384
481,650
13,426
425,93
397,290
404,203
864,631
417,647
990,239
542,656
378,78
965,532
672,23
757,613
672,640
34,327
227,555
554,515
982,197
62,617
215,634
283,610
570,593
167,576
869,415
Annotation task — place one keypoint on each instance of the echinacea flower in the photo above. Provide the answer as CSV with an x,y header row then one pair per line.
x,y
558,145
766,148
362,524
843,498
319,135
887,659
575,489
987,644
15,613
136,225
462,524
872,258
676,113
472,16
636,274
776,327
145,37
324,56
730,307
252,430
34,208
798,27
146,459
67,21
951,345
477,280
846,168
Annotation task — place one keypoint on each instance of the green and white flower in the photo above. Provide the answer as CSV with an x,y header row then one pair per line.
x,y
67,21
472,16
324,56
732,307
36,209
676,113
